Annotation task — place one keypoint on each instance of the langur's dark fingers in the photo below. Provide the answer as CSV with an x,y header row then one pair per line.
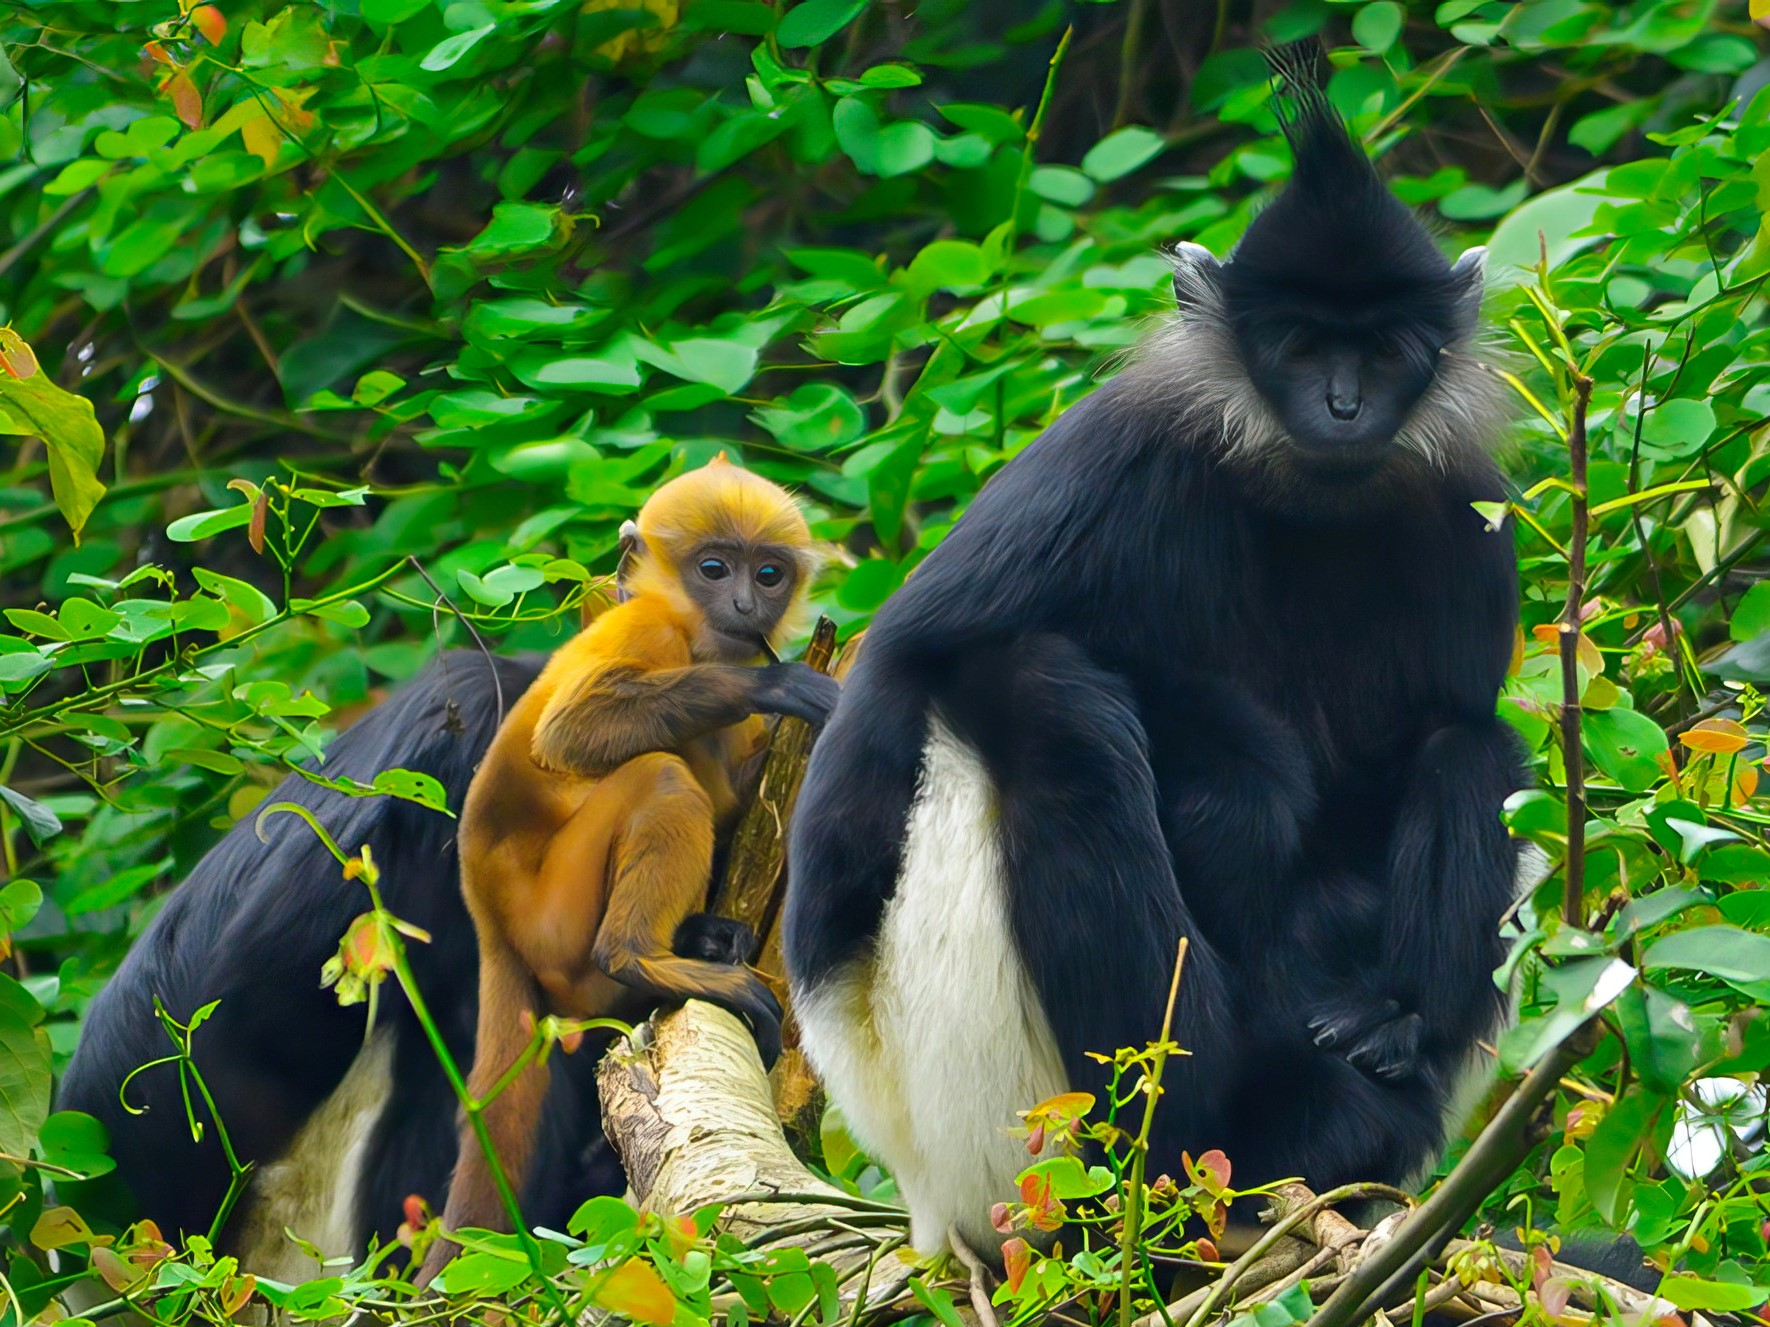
x,y
801,691
714,939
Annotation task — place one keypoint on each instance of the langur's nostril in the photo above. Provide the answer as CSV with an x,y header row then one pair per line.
x,y
743,606
1342,408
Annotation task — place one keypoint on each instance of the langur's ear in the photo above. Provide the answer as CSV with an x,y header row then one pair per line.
x,y
632,545
1468,277
1196,271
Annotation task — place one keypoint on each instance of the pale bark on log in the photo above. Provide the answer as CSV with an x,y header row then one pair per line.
x,y
692,1116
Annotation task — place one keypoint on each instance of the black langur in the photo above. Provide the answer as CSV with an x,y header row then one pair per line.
x,y
1216,656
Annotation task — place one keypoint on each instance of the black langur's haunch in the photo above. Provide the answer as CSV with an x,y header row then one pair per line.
x,y
1216,657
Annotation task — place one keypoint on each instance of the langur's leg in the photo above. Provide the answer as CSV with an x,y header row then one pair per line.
x,y
1235,791
661,859
1096,907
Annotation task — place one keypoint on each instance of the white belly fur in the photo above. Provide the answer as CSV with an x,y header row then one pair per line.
x,y
312,1188
933,1045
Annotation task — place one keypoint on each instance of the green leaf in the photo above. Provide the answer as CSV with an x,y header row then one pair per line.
x,y
1581,988
1676,429
1751,615
816,21
817,417
1665,1044
71,435
20,899
1625,744
1610,1149
24,1069
39,821
601,372
218,762
445,54
77,1141
1377,26
248,600
956,265
1069,1178
727,365
1061,184
1120,153
412,786
516,228
1717,951
1692,1293
202,524
991,122
936,1301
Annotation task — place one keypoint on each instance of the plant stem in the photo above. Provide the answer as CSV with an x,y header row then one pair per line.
x,y
1572,753
1152,1091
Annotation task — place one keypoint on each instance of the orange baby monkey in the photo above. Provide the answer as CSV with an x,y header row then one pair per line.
x,y
587,836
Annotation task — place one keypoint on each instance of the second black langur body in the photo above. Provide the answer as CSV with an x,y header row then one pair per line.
x,y
1217,657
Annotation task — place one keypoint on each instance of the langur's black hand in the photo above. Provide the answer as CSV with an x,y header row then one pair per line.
x,y
799,690
714,939
1373,1034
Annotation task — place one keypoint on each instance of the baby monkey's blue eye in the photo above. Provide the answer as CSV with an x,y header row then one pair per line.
x,y
713,569
769,575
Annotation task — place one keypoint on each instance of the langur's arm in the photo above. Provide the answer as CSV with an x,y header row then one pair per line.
x,y
1451,870
1447,882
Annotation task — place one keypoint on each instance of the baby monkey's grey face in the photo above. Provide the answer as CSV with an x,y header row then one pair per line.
x,y
743,591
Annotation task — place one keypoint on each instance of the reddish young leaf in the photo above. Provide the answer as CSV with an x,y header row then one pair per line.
x,y
187,102
237,1292
1000,1219
117,1274
210,22
1016,1259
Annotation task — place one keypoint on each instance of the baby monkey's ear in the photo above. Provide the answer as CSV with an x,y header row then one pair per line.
x,y
1196,271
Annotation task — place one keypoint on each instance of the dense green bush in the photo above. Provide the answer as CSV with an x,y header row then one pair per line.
x,y
388,312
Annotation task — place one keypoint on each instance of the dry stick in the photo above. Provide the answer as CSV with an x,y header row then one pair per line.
x,y
980,1305
1572,752
749,892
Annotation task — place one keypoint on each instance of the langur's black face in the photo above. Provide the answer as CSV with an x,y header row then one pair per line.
x,y
1342,393
743,591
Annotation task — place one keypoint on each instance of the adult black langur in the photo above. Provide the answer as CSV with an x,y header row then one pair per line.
x,y
1216,656
340,1131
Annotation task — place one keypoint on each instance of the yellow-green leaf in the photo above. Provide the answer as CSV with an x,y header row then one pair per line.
x,y
70,432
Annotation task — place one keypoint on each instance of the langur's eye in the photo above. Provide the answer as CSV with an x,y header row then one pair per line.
x,y
769,575
714,569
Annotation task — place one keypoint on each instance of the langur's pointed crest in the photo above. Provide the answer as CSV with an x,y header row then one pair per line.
x,y
1336,237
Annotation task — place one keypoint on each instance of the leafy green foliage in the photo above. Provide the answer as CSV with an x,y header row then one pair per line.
x,y
337,329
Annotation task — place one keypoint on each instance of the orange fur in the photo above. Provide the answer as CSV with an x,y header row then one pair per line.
x,y
588,832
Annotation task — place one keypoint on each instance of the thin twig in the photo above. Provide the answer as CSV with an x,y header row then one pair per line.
x,y
1573,873
980,1304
